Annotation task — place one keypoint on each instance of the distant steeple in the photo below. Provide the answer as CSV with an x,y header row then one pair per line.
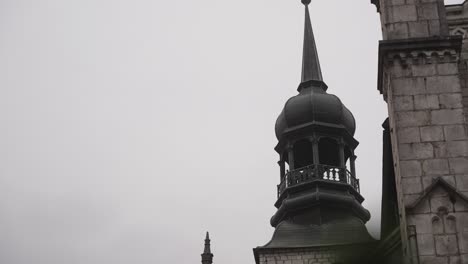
x,y
207,256
311,71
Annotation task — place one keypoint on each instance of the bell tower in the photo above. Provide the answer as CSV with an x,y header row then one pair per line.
x,y
319,215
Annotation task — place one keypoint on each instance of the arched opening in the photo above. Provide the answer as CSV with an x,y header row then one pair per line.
x,y
437,227
329,152
303,154
285,159
348,154
450,225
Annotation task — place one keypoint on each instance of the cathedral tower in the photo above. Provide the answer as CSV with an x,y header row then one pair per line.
x,y
319,213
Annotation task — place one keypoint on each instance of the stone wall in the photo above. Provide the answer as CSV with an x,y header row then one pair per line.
x,y
299,256
457,17
424,90
425,107
403,19
441,224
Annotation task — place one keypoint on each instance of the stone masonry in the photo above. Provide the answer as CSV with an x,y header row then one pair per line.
x,y
457,17
420,80
299,256
293,256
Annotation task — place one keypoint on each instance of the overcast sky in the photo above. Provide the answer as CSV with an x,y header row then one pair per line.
x,y
129,128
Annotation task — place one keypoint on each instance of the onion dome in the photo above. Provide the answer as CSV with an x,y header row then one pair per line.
x,y
314,106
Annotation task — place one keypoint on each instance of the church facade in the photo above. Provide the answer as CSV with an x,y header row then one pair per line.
x,y
423,78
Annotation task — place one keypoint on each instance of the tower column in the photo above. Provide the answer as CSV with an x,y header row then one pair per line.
x,y
342,173
352,163
282,167
315,150
290,151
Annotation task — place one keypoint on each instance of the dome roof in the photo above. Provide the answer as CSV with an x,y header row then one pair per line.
x,y
314,105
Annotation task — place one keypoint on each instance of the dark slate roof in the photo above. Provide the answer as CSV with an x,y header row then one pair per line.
x,y
345,231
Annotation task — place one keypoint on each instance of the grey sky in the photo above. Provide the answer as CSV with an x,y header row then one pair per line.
x,y
129,128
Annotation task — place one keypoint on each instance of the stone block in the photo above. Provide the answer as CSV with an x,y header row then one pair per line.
x,y
443,84
433,260
462,182
297,261
434,27
446,245
447,117
463,242
399,71
447,69
455,260
440,149
413,118
397,2
408,86
432,133
403,13
419,29
411,185
408,135
435,167
410,168
457,148
455,132
425,244
450,100
397,30
415,151
403,103
423,69
422,102
428,11
459,165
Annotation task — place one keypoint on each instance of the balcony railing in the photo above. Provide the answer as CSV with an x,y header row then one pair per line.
x,y
317,172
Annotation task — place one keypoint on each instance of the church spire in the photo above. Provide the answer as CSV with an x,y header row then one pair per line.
x,y
207,256
207,244
311,72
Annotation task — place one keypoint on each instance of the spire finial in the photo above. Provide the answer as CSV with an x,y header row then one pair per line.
x,y
311,70
207,244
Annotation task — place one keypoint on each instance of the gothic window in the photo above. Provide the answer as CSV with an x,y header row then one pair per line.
x,y
444,230
437,227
